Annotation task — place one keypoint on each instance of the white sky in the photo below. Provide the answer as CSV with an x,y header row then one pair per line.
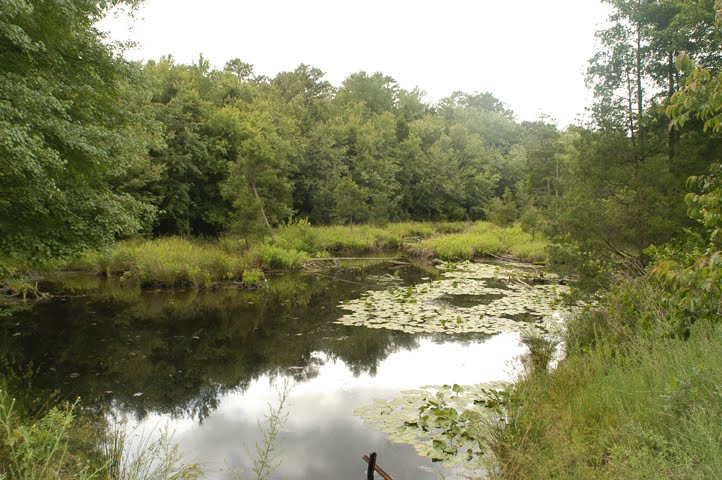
x,y
531,54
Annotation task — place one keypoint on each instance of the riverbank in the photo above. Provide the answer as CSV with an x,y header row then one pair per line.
x,y
200,263
630,400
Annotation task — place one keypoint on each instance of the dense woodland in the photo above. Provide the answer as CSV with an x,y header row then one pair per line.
x,y
96,148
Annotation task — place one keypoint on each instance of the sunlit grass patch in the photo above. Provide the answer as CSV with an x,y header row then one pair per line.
x,y
168,262
357,239
271,256
343,239
177,261
482,240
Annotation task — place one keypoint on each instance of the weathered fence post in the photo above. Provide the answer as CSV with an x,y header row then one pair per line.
x,y
372,466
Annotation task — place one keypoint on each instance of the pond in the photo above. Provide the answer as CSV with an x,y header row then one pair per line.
x,y
207,364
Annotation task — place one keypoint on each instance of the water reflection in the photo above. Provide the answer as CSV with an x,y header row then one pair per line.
x,y
322,438
208,364
182,350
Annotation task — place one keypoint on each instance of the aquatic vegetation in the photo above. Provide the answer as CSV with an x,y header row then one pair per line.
x,y
443,422
181,262
503,304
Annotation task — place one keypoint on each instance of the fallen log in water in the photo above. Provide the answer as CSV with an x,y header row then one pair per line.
x,y
395,260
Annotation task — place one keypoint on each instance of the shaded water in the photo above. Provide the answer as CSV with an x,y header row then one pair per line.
x,y
207,364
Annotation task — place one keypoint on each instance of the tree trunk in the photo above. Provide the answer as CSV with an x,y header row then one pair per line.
x,y
640,95
630,112
671,69
263,210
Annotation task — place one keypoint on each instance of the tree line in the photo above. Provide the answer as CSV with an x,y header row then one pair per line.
x,y
96,148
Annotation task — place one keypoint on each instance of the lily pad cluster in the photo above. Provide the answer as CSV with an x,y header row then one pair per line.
x,y
492,299
441,422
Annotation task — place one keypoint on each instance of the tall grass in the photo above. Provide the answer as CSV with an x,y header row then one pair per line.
x,y
168,262
629,401
480,240
150,459
37,449
175,261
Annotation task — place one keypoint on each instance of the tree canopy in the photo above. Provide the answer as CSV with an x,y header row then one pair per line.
x,y
96,148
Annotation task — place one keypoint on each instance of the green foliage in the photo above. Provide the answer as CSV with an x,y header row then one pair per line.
x,y
152,458
266,457
503,211
350,202
37,450
697,284
41,438
618,408
73,133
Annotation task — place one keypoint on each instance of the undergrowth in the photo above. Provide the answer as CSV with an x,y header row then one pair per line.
x,y
631,400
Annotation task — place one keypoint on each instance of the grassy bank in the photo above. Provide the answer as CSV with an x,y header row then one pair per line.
x,y
629,401
483,240
176,261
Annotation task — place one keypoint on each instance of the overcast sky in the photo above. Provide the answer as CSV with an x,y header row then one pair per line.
x,y
531,54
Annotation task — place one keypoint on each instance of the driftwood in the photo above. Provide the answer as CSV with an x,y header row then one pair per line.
x,y
28,291
373,466
522,282
397,260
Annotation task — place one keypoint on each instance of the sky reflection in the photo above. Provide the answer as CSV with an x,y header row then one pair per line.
x,y
322,438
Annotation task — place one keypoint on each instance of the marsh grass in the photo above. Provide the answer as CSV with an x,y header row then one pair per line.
x,y
337,239
272,256
183,262
167,262
629,401
483,239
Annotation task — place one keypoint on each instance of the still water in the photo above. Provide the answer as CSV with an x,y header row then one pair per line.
x,y
207,365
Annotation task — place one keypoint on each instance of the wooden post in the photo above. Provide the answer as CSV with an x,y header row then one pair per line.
x,y
372,464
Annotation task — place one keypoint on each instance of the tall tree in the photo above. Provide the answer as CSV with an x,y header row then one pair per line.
x,y
68,126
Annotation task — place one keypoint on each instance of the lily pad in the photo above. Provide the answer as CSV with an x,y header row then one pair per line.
x,y
440,421
467,299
